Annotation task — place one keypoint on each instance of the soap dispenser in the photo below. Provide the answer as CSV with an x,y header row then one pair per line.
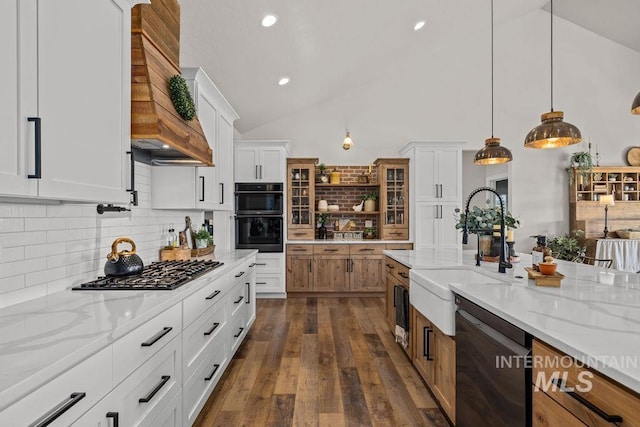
x,y
539,252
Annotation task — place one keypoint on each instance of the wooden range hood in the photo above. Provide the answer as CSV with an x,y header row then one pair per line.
x,y
155,54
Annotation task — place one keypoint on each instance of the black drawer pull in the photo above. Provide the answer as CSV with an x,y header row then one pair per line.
x,y
331,250
151,341
213,328
252,264
367,250
403,274
260,263
163,381
38,147
239,274
239,333
60,409
390,266
115,416
427,343
213,295
298,250
608,418
239,299
299,234
261,283
215,369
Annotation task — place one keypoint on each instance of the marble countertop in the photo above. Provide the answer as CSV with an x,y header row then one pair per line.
x,y
343,242
41,338
594,316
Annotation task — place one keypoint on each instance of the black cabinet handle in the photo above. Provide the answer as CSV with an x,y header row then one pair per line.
x,y
260,263
115,416
608,418
261,283
213,295
151,341
394,295
148,397
331,250
60,409
239,299
351,266
239,274
202,181
248,293
38,147
310,268
239,333
256,171
298,249
132,190
367,250
260,171
390,266
427,343
253,264
403,274
213,328
347,264
221,193
215,369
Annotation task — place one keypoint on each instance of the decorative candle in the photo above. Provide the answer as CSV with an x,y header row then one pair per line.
x,y
510,237
496,234
370,167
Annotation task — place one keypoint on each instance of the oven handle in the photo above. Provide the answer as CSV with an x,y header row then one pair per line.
x,y
245,215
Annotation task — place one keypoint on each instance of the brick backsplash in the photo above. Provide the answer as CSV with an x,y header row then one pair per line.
x,y
45,248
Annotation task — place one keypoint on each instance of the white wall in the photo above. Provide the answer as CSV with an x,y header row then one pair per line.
x,y
48,248
445,96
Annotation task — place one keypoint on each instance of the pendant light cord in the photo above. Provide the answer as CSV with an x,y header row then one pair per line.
x,y
551,55
492,69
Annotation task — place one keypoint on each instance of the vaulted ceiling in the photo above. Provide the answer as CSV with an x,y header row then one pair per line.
x,y
327,47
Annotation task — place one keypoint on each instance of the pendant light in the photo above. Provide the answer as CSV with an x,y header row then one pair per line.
x,y
348,142
492,153
635,107
552,132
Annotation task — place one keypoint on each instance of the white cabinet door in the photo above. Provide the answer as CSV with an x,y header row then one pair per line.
x,y
224,164
83,99
438,171
205,188
19,74
224,230
449,236
435,226
449,174
246,164
208,183
424,168
271,168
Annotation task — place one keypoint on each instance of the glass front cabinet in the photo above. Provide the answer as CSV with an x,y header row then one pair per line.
x,y
301,218
393,175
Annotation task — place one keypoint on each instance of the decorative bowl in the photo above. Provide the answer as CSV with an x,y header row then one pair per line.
x,y
548,269
333,208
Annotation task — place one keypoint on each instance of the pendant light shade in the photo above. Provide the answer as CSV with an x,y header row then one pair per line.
x,y
348,142
552,132
635,107
492,153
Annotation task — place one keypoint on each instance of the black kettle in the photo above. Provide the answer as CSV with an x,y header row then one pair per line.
x,y
123,263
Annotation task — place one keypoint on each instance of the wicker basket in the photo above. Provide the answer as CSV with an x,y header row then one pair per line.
x,y
628,234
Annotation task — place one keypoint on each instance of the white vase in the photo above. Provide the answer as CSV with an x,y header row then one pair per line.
x,y
201,243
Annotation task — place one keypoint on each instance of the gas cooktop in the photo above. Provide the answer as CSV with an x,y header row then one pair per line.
x,y
163,275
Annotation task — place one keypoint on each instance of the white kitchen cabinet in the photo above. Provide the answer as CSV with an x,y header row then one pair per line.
x,y
436,168
83,134
270,275
206,188
224,227
260,161
435,228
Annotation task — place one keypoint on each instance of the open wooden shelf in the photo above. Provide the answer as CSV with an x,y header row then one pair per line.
x,y
351,212
322,185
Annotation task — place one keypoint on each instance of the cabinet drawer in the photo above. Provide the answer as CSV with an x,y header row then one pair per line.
x,y
395,234
391,265
270,263
547,412
373,249
201,336
299,249
171,415
240,272
402,271
399,246
236,301
588,385
331,249
197,389
91,377
149,389
237,332
295,234
269,283
138,346
197,303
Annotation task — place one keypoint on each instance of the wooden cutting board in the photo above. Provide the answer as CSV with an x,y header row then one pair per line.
x,y
633,156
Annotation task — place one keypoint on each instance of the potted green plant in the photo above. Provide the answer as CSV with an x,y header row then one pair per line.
x,y
369,232
485,219
569,246
323,219
583,163
202,239
323,177
370,201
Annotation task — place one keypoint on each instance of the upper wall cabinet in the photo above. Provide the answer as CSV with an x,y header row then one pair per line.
x,y
439,174
208,188
260,161
64,105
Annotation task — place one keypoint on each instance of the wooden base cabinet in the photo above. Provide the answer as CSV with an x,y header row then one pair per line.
x,y
435,359
330,273
593,397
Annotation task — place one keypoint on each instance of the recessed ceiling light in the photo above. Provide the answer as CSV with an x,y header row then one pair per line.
x,y
269,20
283,81
418,25
165,145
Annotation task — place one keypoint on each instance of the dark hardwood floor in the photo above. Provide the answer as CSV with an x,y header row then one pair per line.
x,y
320,361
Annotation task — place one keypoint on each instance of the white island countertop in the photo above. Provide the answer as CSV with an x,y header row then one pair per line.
x,y
594,316
41,338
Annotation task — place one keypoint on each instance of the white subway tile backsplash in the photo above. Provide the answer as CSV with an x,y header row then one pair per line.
x,y
46,248
8,225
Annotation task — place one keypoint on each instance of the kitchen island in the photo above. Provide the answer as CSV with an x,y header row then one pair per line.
x,y
594,316
99,333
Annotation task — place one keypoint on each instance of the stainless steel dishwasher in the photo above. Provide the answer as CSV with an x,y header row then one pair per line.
x,y
493,372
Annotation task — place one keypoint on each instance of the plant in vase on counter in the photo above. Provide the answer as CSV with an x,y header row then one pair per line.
x,y
202,238
487,219
569,247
